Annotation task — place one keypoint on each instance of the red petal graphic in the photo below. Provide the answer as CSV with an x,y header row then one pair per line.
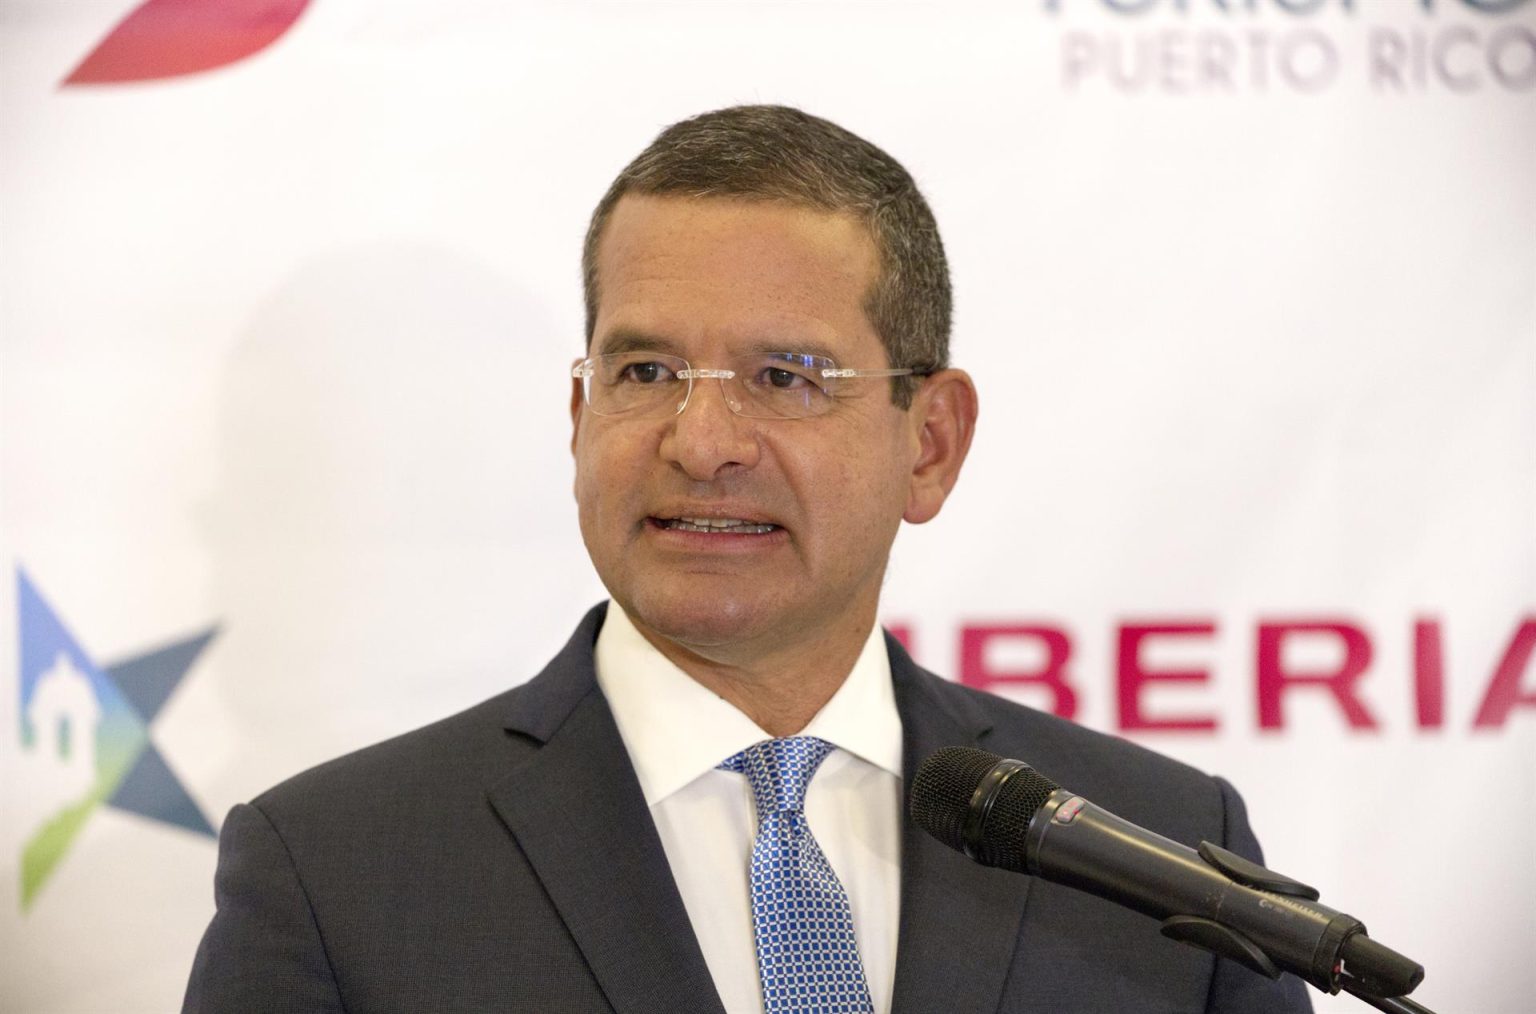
x,y
168,38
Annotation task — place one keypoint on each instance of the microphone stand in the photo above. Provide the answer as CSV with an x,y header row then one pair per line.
x,y
1390,1004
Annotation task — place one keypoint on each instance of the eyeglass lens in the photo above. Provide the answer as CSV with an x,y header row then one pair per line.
x,y
769,385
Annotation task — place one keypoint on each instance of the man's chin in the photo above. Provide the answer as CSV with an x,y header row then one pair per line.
x,y
704,625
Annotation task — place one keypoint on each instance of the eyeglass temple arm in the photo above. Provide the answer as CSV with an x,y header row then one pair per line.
x,y
867,373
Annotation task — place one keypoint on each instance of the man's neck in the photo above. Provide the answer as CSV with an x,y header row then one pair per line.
x,y
779,689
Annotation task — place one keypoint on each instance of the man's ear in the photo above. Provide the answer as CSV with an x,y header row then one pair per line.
x,y
944,418
577,404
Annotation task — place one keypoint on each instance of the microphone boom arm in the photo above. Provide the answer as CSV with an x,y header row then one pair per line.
x,y
1002,813
1214,899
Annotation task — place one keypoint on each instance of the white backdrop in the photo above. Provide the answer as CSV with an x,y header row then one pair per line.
x,y
1248,288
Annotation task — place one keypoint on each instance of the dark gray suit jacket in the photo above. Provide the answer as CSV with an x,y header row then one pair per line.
x,y
504,860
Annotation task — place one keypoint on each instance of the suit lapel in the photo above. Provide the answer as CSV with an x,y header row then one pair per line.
x,y
959,921
577,811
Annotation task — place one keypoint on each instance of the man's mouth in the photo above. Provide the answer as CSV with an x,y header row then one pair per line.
x,y
715,526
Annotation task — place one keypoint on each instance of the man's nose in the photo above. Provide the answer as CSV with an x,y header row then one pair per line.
x,y
707,437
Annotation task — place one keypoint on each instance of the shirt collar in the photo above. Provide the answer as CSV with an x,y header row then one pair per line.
x,y
676,730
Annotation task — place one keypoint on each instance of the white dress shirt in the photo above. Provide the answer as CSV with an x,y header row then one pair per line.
x,y
677,732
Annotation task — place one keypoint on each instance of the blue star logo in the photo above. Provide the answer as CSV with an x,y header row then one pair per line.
x,y
85,735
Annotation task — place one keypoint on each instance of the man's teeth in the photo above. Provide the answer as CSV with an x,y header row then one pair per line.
x,y
732,526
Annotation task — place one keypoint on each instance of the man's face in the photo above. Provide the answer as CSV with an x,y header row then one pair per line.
x,y
708,279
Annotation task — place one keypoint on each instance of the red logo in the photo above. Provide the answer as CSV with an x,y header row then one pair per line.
x,y
170,38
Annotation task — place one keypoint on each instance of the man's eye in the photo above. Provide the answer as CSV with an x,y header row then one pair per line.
x,y
644,373
782,379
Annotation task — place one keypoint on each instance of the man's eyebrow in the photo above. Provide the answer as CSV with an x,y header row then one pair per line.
x,y
627,340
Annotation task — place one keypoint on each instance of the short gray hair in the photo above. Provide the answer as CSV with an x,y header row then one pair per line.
x,y
775,153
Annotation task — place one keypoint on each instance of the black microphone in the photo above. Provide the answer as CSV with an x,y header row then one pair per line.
x,y
1003,813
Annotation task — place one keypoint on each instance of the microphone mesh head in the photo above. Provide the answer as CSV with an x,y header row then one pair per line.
x,y
941,799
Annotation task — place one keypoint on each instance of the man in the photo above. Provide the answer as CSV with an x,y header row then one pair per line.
x,y
765,397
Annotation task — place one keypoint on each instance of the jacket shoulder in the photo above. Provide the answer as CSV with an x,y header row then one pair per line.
x,y
454,759
462,750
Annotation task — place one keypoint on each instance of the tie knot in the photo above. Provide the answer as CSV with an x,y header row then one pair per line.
x,y
779,770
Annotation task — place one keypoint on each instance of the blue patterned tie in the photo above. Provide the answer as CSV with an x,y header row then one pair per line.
x,y
806,952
